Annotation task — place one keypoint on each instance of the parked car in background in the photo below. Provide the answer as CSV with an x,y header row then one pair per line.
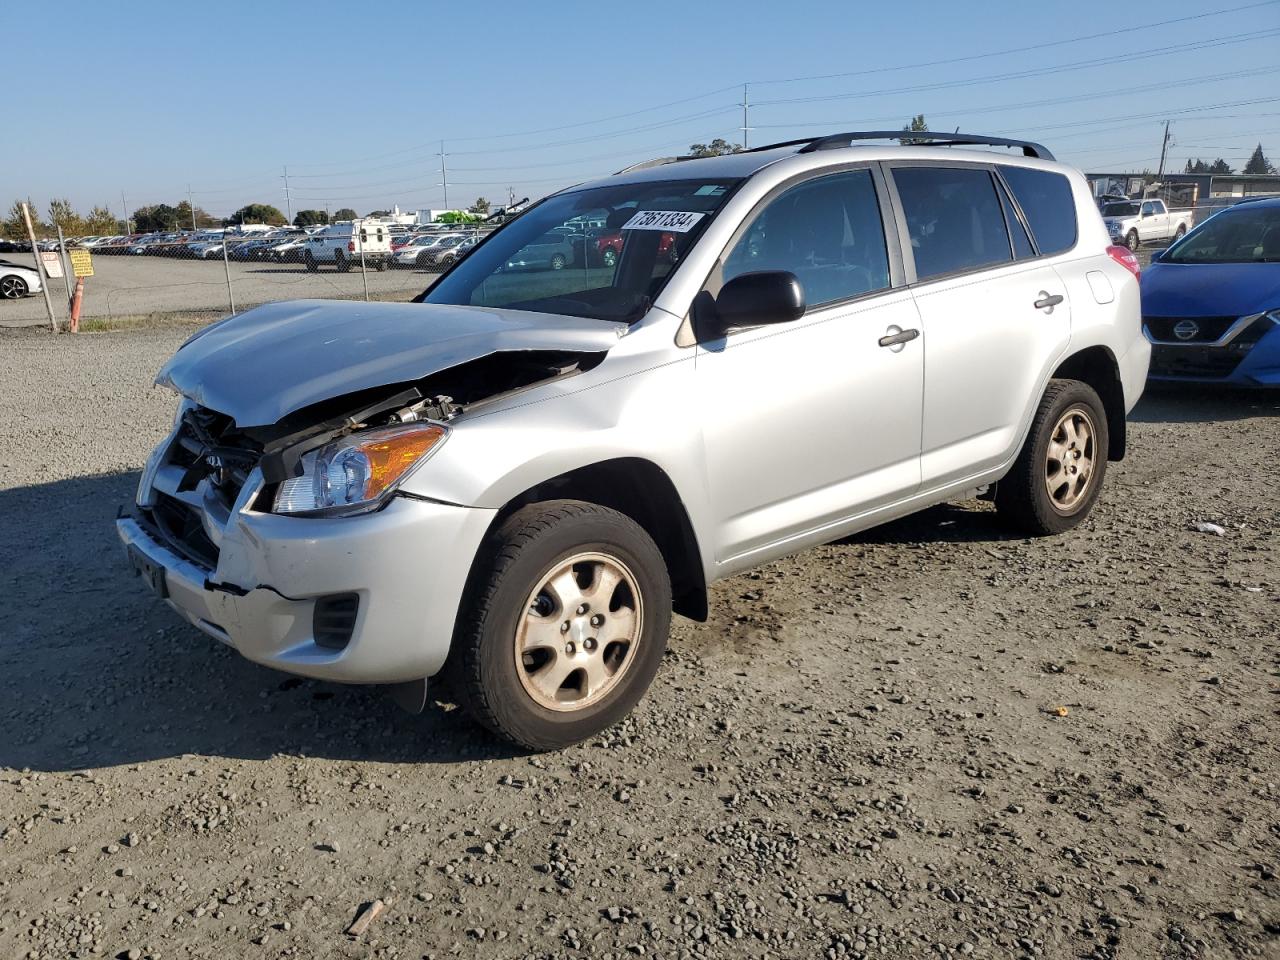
x,y
1211,302
414,251
444,250
290,249
608,246
1135,222
523,474
446,256
349,241
17,281
554,250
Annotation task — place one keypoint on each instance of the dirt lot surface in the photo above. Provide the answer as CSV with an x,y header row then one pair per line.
x,y
930,740
126,286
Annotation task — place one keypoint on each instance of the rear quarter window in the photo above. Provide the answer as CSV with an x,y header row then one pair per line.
x,y
1050,209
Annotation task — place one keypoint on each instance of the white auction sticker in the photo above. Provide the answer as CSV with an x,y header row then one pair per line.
x,y
672,221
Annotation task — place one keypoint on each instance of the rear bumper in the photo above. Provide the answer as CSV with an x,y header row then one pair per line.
x,y
407,564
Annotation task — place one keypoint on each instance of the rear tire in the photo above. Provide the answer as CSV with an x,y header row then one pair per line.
x,y
558,262
341,263
563,625
1058,476
1180,232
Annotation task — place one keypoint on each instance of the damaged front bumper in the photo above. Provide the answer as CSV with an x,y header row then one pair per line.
x,y
395,577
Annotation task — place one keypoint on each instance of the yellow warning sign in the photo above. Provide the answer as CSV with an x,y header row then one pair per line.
x,y
82,263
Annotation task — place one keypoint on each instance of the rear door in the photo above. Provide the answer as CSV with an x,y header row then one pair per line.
x,y
994,312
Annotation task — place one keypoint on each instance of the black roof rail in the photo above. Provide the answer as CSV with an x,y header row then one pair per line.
x,y
837,140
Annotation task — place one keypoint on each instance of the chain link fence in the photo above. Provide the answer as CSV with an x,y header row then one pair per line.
x,y
229,270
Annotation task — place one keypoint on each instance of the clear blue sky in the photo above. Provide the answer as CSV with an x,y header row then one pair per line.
x,y
147,98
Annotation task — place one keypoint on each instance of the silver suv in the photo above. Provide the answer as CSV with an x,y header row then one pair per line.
x,y
515,480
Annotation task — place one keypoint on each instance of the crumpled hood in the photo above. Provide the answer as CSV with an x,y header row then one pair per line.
x,y
272,360
1210,289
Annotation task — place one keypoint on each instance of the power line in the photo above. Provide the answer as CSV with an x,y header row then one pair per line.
x,y
1126,58
1025,49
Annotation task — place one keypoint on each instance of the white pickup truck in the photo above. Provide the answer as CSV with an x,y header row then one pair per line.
x,y
1134,222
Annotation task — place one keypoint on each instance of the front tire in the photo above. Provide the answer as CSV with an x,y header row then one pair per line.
x,y
13,288
564,624
1058,476
558,262
1131,241
310,262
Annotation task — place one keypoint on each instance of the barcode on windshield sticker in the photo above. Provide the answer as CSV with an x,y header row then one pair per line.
x,y
672,221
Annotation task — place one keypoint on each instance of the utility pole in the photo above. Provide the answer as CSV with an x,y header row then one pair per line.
x,y
288,206
40,271
745,127
192,204
1164,149
444,176
125,207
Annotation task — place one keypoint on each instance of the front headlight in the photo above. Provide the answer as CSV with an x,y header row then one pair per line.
x,y
357,473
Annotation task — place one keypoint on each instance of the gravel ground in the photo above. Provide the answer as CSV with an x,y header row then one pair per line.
x,y
929,740
125,286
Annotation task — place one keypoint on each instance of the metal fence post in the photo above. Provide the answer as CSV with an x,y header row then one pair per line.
x,y
40,271
363,272
226,265
66,272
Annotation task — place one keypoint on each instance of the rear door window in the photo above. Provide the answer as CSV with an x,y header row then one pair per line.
x,y
1045,199
954,220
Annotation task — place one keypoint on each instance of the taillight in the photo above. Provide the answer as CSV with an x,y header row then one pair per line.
x,y
351,248
1126,258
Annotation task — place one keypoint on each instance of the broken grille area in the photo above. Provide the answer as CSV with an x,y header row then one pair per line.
x,y
182,530
208,445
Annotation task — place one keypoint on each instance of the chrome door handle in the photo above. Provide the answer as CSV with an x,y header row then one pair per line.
x,y
1047,302
895,338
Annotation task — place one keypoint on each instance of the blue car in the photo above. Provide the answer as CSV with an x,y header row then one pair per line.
x,y
1211,302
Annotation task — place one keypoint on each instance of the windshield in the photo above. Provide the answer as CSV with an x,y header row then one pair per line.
x,y
551,260
1125,209
1243,235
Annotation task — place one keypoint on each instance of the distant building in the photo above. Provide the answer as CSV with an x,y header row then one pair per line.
x,y
1188,189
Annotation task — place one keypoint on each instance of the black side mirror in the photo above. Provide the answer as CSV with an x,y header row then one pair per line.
x,y
753,299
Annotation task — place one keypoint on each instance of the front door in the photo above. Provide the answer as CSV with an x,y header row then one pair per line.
x,y
808,423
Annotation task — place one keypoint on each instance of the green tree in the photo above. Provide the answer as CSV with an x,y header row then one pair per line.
x,y
256,213
1258,163
346,213
1218,166
157,217
202,218
101,222
481,207
15,228
62,214
917,125
311,218
716,148
457,216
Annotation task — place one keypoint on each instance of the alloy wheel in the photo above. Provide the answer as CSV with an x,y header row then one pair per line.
x,y
580,632
1069,464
